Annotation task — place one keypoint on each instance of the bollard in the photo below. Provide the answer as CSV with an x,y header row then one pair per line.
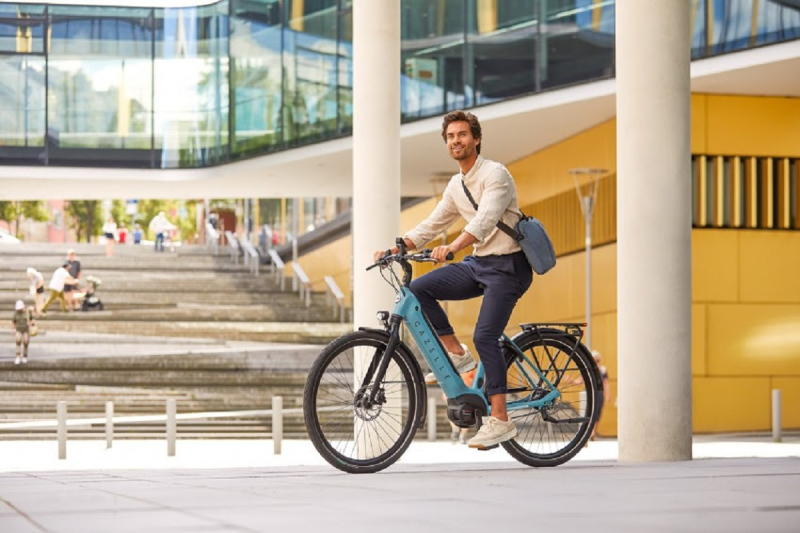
x,y
61,414
109,424
432,418
172,427
277,424
776,415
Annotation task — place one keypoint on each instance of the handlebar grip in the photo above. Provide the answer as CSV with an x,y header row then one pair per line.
x,y
450,256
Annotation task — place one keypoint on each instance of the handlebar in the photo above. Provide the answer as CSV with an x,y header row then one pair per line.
x,y
404,258
423,256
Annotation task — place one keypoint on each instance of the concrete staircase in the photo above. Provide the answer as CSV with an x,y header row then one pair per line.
x,y
174,326
189,293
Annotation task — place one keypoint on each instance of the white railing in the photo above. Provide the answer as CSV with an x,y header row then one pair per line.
x,y
335,298
277,267
251,256
233,245
304,284
212,237
170,418
266,231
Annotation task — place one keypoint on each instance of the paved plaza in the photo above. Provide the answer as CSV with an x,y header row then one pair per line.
x,y
735,484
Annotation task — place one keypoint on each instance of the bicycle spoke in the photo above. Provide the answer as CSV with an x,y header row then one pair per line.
x,y
348,429
551,434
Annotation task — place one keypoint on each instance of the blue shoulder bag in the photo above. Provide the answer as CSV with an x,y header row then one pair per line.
x,y
531,236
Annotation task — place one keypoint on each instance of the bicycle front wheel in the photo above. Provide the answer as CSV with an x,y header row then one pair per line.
x,y
554,434
351,434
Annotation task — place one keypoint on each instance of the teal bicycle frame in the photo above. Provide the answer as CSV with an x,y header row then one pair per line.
x,y
408,308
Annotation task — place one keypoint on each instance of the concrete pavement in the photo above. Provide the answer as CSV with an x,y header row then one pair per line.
x,y
735,484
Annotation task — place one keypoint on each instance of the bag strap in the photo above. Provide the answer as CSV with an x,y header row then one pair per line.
x,y
502,226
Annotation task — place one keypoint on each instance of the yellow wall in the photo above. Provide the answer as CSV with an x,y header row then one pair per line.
x,y
745,283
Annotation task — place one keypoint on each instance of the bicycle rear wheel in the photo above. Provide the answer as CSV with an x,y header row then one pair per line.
x,y
350,435
551,435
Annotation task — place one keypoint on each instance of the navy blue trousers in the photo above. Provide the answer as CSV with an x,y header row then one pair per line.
x,y
501,280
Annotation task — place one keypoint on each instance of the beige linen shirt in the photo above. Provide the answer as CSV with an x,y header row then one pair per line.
x,y
492,187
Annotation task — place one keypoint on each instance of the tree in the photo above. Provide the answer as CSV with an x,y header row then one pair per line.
x,y
84,218
15,211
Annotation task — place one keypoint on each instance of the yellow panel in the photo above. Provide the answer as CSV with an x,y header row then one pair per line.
x,y
760,340
604,279
698,124
757,126
790,401
715,269
698,340
546,173
770,263
730,404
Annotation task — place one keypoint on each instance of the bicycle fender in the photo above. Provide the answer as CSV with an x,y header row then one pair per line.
x,y
582,347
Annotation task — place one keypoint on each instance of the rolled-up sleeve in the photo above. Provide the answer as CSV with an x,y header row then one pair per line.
x,y
442,217
497,196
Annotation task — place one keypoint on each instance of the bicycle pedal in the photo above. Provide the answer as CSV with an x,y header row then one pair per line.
x,y
487,448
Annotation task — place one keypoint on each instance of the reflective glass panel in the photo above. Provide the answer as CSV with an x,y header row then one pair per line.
x,y
345,68
100,85
22,107
256,76
777,21
501,47
432,80
576,44
21,10
310,57
191,86
699,28
22,33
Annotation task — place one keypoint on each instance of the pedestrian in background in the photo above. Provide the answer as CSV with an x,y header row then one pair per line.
x,y
74,269
159,226
21,325
36,289
60,278
137,234
110,233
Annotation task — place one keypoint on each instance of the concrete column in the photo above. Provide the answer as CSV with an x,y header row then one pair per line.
x,y
376,149
654,220
376,178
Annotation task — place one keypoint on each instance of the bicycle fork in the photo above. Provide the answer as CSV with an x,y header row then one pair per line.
x,y
380,363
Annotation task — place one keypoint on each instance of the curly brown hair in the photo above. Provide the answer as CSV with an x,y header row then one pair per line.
x,y
463,116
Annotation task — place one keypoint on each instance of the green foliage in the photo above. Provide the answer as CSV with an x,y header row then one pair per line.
x,y
85,218
16,212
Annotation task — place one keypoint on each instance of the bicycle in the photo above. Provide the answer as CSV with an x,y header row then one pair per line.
x,y
364,396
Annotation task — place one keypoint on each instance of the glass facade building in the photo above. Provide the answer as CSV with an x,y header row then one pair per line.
x,y
200,86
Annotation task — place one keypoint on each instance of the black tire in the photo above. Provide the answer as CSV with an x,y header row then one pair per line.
x,y
336,423
572,370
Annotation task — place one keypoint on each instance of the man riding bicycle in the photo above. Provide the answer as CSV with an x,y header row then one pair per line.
x,y
497,269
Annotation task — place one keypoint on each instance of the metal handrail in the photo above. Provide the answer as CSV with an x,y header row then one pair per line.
x,y
233,243
305,283
252,254
277,267
337,298
212,237
268,236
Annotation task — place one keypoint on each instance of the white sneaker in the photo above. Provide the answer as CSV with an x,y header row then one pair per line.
x,y
463,363
16,361
493,432
24,360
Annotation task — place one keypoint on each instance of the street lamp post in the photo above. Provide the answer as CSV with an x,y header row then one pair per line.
x,y
588,201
